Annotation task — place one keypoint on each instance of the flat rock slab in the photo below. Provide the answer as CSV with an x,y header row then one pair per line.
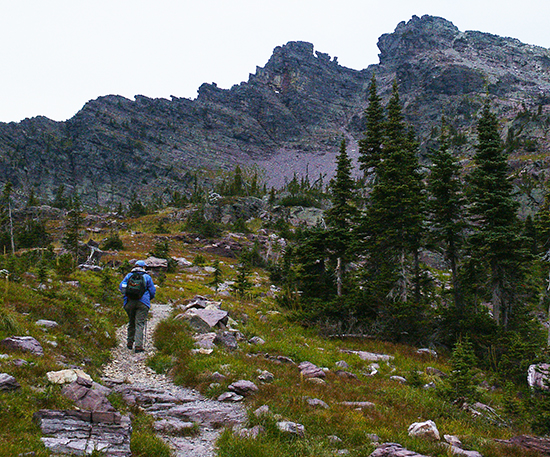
x,y
82,432
534,443
357,404
371,356
23,344
174,427
394,450
207,413
150,396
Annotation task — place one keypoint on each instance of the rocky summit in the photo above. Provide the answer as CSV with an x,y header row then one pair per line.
x,y
290,116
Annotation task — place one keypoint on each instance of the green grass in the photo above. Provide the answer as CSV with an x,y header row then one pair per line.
x,y
89,314
145,443
396,405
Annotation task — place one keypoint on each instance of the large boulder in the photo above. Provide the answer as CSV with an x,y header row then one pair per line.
x,y
310,217
204,320
156,263
23,344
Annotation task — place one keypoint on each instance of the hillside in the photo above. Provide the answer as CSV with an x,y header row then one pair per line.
x,y
290,116
312,395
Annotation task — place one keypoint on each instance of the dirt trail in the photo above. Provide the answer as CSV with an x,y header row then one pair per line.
x,y
163,399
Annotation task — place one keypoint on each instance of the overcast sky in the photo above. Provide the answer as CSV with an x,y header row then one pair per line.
x,y
58,54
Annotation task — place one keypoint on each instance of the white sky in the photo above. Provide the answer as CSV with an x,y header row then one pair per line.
x,y
55,55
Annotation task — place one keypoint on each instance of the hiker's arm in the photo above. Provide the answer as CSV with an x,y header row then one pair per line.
x,y
151,287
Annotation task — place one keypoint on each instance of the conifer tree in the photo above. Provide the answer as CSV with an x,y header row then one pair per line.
x,y
342,193
496,241
216,276
542,225
341,218
395,212
8,219
370,148
73,227
242,282
445,206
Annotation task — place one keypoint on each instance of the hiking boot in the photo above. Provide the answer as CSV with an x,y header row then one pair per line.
x,y
130,346
138,349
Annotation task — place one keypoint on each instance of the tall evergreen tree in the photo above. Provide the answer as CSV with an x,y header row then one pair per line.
x,y
6,218
446,207
370,148
342,193
394,218
495,241
341,218
72,235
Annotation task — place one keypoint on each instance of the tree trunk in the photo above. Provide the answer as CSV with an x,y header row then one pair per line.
x,y
11,229
339,276
548,290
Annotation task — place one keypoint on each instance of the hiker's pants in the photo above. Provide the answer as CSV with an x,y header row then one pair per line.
x,y
137,318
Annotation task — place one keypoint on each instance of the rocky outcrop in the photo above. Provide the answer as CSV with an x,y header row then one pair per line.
x,y
288,117
83,432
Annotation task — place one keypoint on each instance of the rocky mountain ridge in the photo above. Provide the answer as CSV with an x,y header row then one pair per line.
x,y
289,116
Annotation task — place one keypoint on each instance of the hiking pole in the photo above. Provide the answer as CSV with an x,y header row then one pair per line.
x,y
145,333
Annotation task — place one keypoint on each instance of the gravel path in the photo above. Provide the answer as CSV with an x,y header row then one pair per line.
x,y
134,378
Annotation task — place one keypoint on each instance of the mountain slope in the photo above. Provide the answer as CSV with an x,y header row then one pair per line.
x,y
289,116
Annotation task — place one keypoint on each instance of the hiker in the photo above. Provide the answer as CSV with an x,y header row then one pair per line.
x,y
138,290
